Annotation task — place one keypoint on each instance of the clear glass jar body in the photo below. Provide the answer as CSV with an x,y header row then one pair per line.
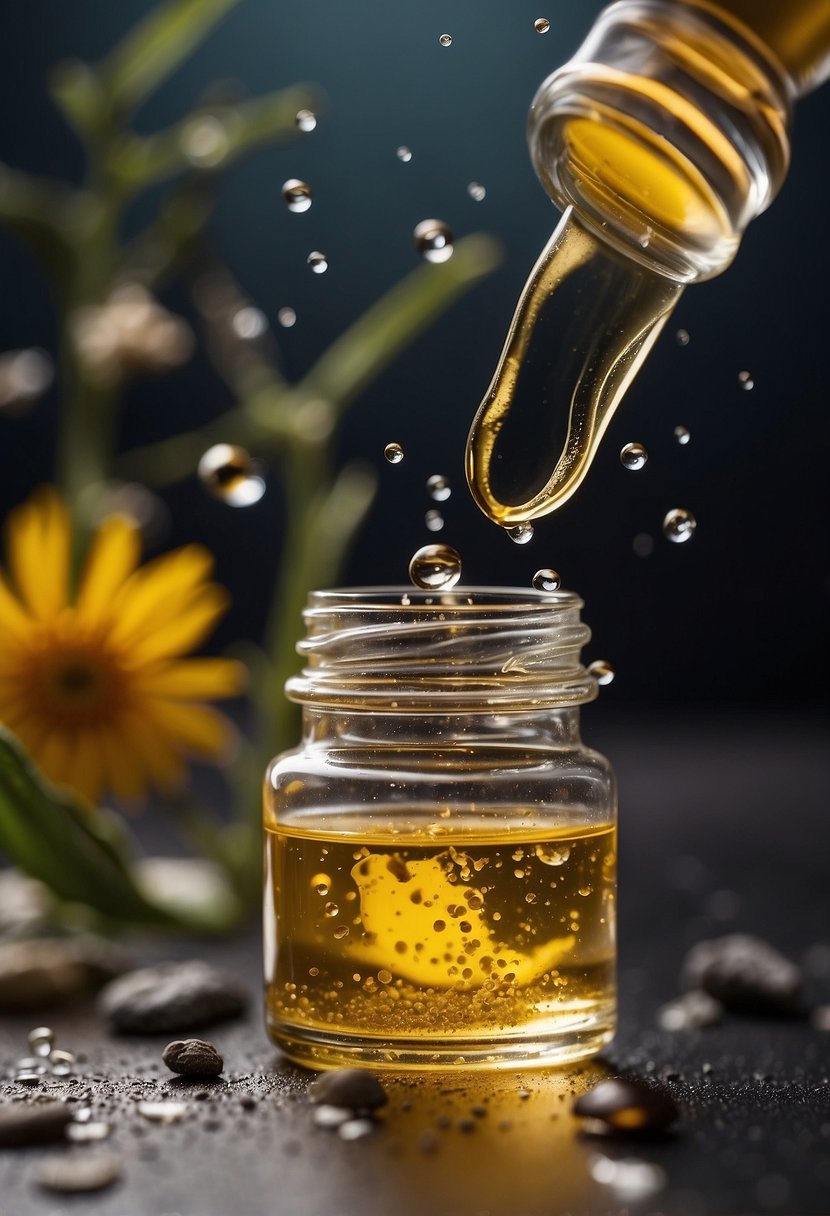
x,y
440,850
669,129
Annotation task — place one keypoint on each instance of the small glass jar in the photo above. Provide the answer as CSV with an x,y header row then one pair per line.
x,y
440,850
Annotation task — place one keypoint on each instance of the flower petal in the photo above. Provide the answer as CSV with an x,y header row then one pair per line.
x,y
38,546
14,621
177,632
112,558
194,679
160,588
197,729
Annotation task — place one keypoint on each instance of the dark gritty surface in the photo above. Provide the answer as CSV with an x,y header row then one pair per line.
x,y
724,829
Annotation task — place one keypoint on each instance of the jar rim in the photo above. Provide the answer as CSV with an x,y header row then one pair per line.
x,y
461,599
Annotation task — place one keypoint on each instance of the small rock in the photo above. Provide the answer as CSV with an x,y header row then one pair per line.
x,y
628,1107
692,1011
744,973
45,971
22,1125
193,1058
171,997
73,1175
353,1088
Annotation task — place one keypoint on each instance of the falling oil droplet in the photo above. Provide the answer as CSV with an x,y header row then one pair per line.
x,y
403,153
287,317
318,262
433,240
679,525
445,40
305,120
435,567
434,521
633,456
541,25
521,534
681,435
296,194
547,580
551,855
230,473
476,191
249,323
746,382
682,337
393,453
602,672
438,487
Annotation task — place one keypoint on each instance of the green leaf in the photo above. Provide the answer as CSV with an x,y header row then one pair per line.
x,y
76,91
78,851
36,209
155,47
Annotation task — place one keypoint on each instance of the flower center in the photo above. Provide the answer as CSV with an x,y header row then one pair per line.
x,y
76,684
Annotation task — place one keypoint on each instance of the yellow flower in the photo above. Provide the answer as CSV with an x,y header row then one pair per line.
x,y
95,684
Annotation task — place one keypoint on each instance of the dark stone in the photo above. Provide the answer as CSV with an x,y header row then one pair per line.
x,y
193,1058
744,973
74,1175
351,1088
628,1107
22,1125
171,997
39,972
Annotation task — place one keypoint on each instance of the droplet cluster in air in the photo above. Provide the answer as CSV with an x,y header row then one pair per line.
x,y
746,381
521,534
296,194
547,579
679,525
393,453
445,40
433,240
318,261
438,487
230,474
602,671
681,435
476,191
633,456
541,25
435,567
305,120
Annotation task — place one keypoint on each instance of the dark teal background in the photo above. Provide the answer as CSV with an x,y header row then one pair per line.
x,y
738,615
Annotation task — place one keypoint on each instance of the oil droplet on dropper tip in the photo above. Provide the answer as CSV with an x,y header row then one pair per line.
x,y
547,580
296,194
633,456
393,453
435,567
602,672
433,240
541,25
679,525
318,262
438,487
521,534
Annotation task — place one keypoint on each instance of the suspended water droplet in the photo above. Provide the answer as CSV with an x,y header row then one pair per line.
x,y
445,40
476,191
633,456
643,544
679,525
553,855
438,487
231,474
296,194
602,672
547,579
521,534
42,1040
393,453
287,317
305,120
62,1062
204,141
681,435
746,382
682,337
434,521
434,567
541,25
433,240
318,261
249,323
403,153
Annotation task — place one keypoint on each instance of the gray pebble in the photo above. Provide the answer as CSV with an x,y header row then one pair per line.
x,y
22,1125
193,1058
744,973
50,971
353,1088
171,997
72,1175
692,1011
